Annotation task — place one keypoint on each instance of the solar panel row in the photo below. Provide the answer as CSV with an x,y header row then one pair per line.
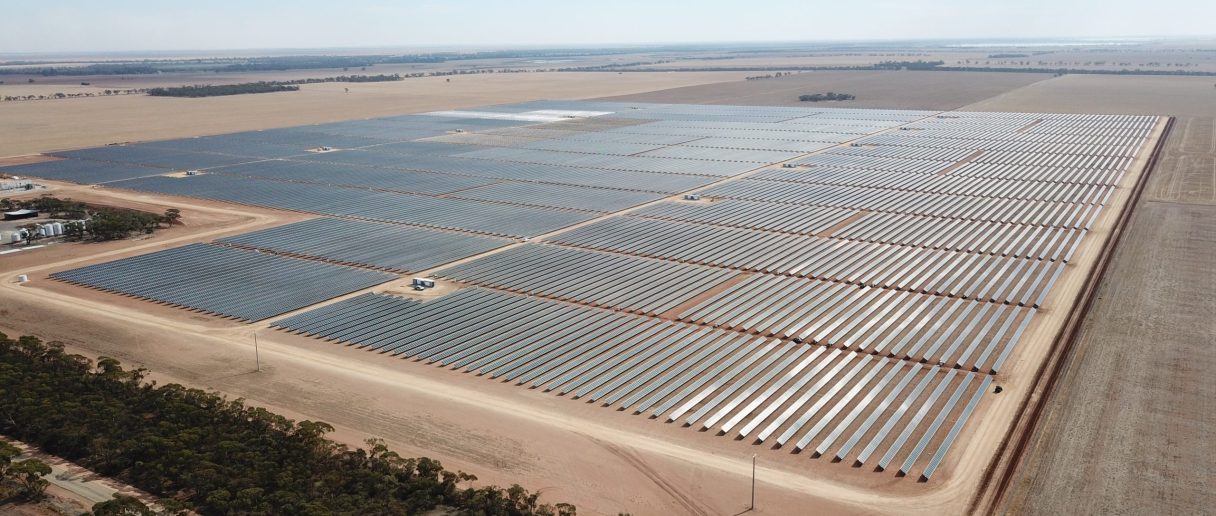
x,y
641,285
969,276
991,209
785,218
82,171
952,332
943,184
474,216
237,283
368,244
797,395
1044,243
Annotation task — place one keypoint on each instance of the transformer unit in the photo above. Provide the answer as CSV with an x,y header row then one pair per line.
x,y
692,197
423,283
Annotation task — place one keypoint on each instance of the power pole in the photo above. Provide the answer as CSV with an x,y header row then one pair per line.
x,y
256,356
752,507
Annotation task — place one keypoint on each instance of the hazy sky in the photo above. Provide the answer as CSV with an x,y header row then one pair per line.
x,y
107,25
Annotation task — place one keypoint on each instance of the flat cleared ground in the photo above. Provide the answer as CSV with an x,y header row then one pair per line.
x,y
41,126
874,89
1130,427
1109,94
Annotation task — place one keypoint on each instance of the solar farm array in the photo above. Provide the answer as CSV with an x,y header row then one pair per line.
x,y
850,283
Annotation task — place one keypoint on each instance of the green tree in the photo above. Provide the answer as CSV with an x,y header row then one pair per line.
x,y
74,230
29,473
215,455
8,452
31,233
122,505
172,216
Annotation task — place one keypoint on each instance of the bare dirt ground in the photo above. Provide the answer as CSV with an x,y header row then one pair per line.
x,y
874,89
1109,94
1130,426
41,126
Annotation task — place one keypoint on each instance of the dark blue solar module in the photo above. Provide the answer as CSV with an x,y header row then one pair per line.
x,y
82,171
311,137
528,172
476,216
247,285
386,246
239,144
142,154
355,175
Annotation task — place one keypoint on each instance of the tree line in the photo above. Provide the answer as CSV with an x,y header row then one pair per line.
x,y
280,63
106,93
200,451
920,65
219,90
820,97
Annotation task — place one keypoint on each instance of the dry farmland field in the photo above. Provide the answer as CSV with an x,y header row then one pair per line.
x,y
874,89
866,300
39,126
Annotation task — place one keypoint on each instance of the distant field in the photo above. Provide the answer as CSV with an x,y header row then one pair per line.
x,y
874,89
38,126
1122,94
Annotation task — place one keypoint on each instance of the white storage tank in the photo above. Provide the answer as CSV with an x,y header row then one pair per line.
x,y
58,228
44,230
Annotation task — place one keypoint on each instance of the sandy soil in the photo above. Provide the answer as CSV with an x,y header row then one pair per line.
x,y
873,89
40,126
1187,173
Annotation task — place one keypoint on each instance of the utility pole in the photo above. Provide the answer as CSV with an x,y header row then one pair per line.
x,y
258,358
752,507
